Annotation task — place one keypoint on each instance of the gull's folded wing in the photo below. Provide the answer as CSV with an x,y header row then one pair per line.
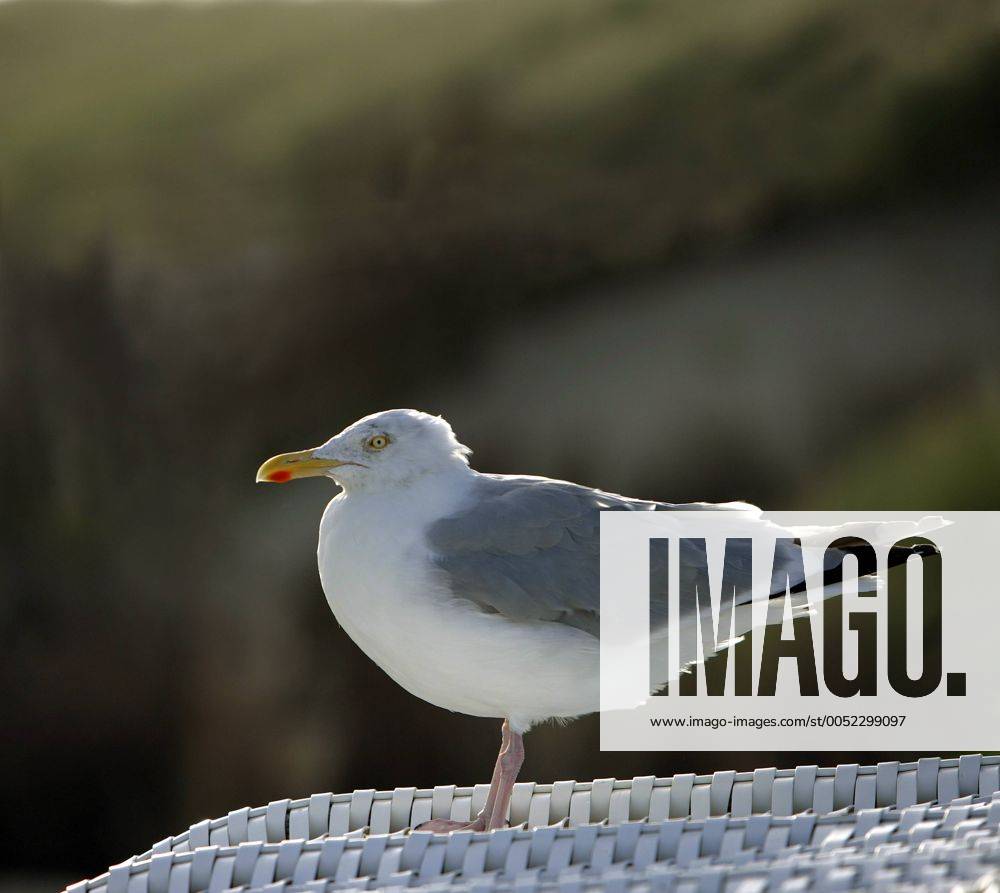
x,y
529,548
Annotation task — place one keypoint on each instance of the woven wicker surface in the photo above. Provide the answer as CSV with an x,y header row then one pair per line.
x,y
926,825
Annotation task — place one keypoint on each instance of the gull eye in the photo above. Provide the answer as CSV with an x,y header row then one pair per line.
x,y
379,441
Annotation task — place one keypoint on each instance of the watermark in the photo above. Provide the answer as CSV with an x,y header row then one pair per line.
x,y
732,630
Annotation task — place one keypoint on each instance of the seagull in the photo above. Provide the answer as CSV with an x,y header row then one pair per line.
x,y
449,579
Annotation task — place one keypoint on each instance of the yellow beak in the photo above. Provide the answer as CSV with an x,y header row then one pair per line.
x,y
287,466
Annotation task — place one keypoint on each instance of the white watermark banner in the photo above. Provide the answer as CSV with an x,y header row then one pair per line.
x,y
736,630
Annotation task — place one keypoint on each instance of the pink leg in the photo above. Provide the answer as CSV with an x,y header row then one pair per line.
x,y
491,797
481,822
510,761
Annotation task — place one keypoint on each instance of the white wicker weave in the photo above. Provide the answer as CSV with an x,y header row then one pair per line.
x,y
844,828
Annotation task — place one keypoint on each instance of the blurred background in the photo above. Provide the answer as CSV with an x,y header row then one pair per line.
x,y
681,251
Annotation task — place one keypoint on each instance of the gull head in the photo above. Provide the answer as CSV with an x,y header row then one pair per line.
x,y
382,450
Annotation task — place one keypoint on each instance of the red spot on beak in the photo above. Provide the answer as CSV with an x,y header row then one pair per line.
x,y
279,477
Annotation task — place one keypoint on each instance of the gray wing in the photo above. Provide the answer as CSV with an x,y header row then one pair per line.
x,y
529,548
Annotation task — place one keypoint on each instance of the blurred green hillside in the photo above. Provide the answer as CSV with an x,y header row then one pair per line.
x,y
540,140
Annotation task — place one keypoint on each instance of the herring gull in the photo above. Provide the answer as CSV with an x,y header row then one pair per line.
x,y
448,578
